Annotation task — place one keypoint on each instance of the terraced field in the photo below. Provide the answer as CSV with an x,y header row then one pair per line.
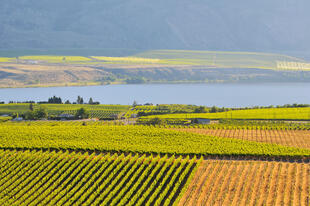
x,y
293,138
64,178
241,183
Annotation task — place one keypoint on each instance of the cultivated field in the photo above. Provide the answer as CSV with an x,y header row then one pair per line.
x,y
293,138
132,138
250,114
157,66
102,163
219,59
211,59
75,178
229,182
95,111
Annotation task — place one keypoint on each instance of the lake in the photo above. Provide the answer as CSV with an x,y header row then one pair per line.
x,y
222,95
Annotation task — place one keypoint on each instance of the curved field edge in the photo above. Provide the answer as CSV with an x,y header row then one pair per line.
x,y
137,139
73,178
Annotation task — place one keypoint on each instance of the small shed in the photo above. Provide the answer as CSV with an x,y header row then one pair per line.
x,y
66,116
18,119
201,121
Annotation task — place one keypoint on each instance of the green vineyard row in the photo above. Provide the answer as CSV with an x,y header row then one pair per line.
x,y
64,178
141,139
250,114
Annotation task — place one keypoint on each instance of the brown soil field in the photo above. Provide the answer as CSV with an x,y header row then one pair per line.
x,y
292,138
229,182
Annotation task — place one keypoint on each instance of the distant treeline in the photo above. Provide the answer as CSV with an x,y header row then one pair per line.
x,y
58,100
159,108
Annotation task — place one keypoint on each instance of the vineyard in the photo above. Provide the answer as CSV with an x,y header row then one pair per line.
x,y
229,182
293,138
229,162
63,178
144,110
250,114
95,111
141,139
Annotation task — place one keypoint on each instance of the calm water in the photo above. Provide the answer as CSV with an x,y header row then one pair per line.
x,y
223,95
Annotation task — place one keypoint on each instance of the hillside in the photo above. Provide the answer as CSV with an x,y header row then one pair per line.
x,y
154,66
265,25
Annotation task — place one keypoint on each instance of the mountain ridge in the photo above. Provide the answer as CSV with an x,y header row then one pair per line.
x,y
266,26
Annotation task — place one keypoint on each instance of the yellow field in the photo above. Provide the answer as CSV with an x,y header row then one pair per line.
x,y
4,59
242,183
55,59
126,59
293,138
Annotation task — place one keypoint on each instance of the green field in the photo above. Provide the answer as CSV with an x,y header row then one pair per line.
x,y
63,178
258,114
209,59
102,163
95,111
6,59
56,59
139,139
219,59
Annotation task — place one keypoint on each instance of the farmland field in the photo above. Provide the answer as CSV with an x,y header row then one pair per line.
x,y
293,138
63,178
213,59
219,59
132,138
232,162
263,114
229,182
95,111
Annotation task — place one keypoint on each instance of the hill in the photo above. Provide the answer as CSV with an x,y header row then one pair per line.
x,y
268,26
33,68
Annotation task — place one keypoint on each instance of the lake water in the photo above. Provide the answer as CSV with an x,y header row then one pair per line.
x,y
222,95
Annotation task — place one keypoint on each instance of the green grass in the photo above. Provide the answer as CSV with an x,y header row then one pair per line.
x,y
139,139
259,114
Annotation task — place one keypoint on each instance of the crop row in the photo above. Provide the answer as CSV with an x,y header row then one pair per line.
x,y
291,138
63,108
245,126
63,178
222,182
141,139
263,114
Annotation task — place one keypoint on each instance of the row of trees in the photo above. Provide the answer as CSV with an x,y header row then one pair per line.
x,y
58,100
